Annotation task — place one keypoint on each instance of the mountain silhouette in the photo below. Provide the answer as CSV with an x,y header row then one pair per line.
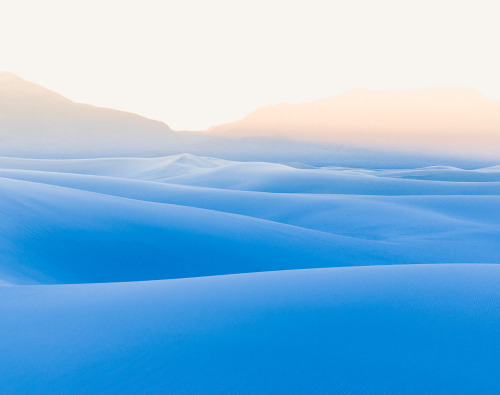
x,y
35,118
440,117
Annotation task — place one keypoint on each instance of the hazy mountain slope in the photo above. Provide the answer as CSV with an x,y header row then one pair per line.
x,y
397,329
38,121
441,118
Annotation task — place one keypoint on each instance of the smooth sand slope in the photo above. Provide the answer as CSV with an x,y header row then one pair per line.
x,y
64,223
52,234
400,292
385,329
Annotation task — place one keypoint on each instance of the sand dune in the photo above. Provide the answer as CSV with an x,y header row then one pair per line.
x,y
77,221
383,329
53,234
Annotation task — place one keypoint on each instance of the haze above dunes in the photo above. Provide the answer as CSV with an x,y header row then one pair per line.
x,y
440,118
38,123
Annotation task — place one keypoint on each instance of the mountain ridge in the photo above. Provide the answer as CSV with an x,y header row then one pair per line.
x,y
440,115
36,122
33,118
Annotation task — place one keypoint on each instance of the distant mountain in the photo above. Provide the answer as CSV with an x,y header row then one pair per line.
x,y
447,118
38,123
35,119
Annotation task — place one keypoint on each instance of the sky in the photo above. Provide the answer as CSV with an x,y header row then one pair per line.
x,y
194,64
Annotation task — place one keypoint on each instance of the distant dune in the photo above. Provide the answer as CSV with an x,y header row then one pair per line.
x,y
185,216
442,118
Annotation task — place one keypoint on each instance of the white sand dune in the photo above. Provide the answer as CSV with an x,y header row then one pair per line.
x,y
384,329
53,234
317,210
63,223
187,169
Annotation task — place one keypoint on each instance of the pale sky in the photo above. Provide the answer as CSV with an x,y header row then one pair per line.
x,y
195,63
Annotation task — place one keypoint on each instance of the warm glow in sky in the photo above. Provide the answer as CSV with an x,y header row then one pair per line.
x,y
194,64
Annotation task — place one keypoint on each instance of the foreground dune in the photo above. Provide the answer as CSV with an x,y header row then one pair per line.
x,y
383,329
